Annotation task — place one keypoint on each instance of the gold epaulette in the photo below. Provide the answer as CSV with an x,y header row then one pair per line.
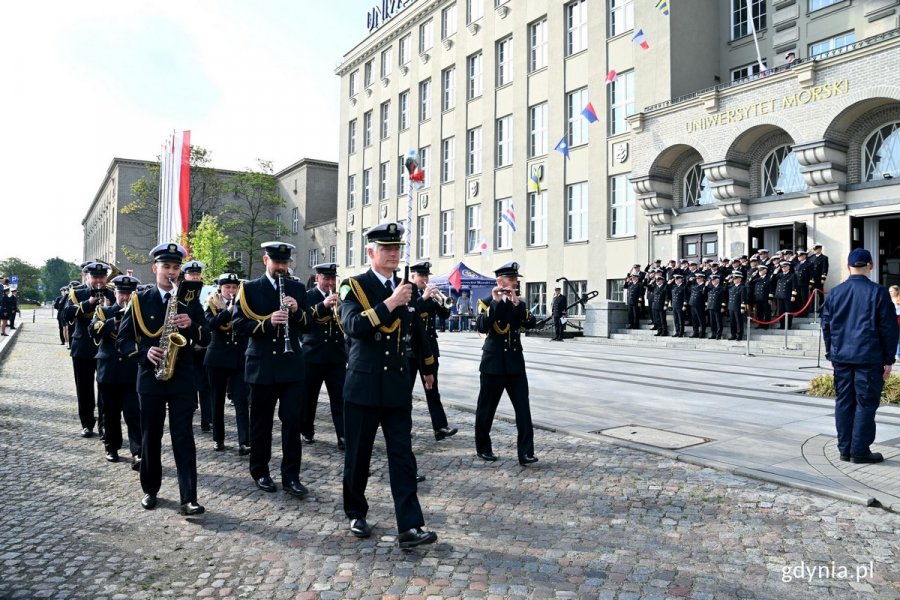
x,y
135,307
369,312
245,308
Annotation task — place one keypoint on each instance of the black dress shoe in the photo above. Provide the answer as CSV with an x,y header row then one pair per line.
x,y
309,439
220,446
870,458
112,456
845,458
295,488
419,478
135,463
360,528
244,450
444,432
488,456
148,501
102,433
341,445
86,433
527,460
732,338
206,428
266,484
192,508
416,537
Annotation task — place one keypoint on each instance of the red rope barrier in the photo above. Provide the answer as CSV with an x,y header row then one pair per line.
x,y
782,315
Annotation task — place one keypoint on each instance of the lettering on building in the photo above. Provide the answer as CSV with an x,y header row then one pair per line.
x,y
772,105
381,13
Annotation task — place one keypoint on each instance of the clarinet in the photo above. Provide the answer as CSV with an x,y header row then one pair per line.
x,y
287,331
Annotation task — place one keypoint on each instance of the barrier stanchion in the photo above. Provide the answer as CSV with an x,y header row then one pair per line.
x,y
34,315
815,306
748,336
819,341
786,329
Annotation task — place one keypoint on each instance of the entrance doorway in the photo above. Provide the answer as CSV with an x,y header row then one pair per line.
x,y
882,238
781,237
700,246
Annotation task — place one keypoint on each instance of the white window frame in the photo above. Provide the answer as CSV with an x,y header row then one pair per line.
x,y
426,36
577,200
385,119
448,88
475,70
578,127
313,257
424,100
748,70
502,231
473,151
368,73
425,164
448,21
693,191
295,220
537,218
740,23
332,256
423,235
842,40
403,110
815,5
384,171
353,85
621,17
387,62
537,44
448,159
447,232
537,129
402,176
474,10
882,143
504,55
351,137
621,198
351,191
367,187
621,102
473,227
404,50
576,27
367,129
504,134
351,248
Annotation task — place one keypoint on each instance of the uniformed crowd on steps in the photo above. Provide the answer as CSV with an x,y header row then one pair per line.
x,y
708,294
269,343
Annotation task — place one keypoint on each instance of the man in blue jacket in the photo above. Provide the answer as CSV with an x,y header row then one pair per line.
x,y
860,330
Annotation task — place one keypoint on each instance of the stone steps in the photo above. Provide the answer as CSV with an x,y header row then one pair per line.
x,y
770,347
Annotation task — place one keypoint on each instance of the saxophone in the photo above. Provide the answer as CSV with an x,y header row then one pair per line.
x,y
170,341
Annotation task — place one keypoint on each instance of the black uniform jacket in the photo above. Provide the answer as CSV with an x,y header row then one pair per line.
x,y
267,361
323,342
679,295
142,327
80,311
659,297
112,367
697,297
377,364
427,309
558,308
786,287
501,353
737,297
226,348
716,297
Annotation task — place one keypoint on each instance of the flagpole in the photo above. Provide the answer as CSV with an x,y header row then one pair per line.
x,y
762,66
408,235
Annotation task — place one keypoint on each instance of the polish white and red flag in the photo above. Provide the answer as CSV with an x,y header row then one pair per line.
x,y
175,188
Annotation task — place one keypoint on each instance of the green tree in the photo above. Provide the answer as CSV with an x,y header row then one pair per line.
x,y
29,278
57,273
208,246
248,218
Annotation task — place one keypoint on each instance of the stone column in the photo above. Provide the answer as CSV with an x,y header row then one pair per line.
x,y
730,182
824,168
603,317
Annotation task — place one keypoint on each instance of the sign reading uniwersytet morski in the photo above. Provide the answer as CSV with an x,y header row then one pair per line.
x,y
384,11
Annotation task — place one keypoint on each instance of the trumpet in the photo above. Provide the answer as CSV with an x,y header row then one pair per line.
x,y
435,294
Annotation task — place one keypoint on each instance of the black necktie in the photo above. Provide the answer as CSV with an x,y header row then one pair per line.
x,y
389,285
166,298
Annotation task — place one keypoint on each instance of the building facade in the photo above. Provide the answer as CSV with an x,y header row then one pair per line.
x,y
702,146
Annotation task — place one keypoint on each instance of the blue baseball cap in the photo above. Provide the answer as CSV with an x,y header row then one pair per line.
x,y
860,257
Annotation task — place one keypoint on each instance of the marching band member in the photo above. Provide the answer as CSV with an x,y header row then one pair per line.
x,y
193,271
148,322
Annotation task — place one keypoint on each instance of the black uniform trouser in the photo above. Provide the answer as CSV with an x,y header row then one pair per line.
x,y
698,316
678,317
121,400
361,424
203,389
289,397
85,368
221,380
634,316
558,327
784,306
659,319
153,420
763,312
492,386
333,376
715,321
62,337
736,317
432,396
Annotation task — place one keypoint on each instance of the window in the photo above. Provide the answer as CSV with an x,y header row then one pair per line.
x,y
447,233
621,102
831,44
781,173
621,206
473,163
536,296
881,154
354,83
423,227
576,27
615,290
367,128
351,192
577,127
577,212
819,4
573,292
474,65
403,176
403,102
364,256
621,16
313,257
424,163
295,220
448,88
385,179
697,191
504,61
351,137
387,62
351,248
367,73
332,255
279,226
474,10
745,71
448,151
473,228
367,187
537,218
426,39
504,141
503,231
740,22
537,44
537,130
385,119
425,100
405,49
448,21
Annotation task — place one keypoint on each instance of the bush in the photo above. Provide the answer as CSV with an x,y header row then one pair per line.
x,y
823,385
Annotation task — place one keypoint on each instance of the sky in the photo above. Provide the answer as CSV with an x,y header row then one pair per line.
x,y
84,82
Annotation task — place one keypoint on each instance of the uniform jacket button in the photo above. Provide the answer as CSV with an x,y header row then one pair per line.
x,y
274,352
387,353
385,368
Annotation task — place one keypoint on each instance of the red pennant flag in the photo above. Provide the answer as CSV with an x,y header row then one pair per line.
x,y
611,76
455,279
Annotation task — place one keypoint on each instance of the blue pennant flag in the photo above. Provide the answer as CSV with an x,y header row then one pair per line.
x,y
563,146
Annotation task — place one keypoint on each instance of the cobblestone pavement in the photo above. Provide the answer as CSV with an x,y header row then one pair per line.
x,y
589,520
